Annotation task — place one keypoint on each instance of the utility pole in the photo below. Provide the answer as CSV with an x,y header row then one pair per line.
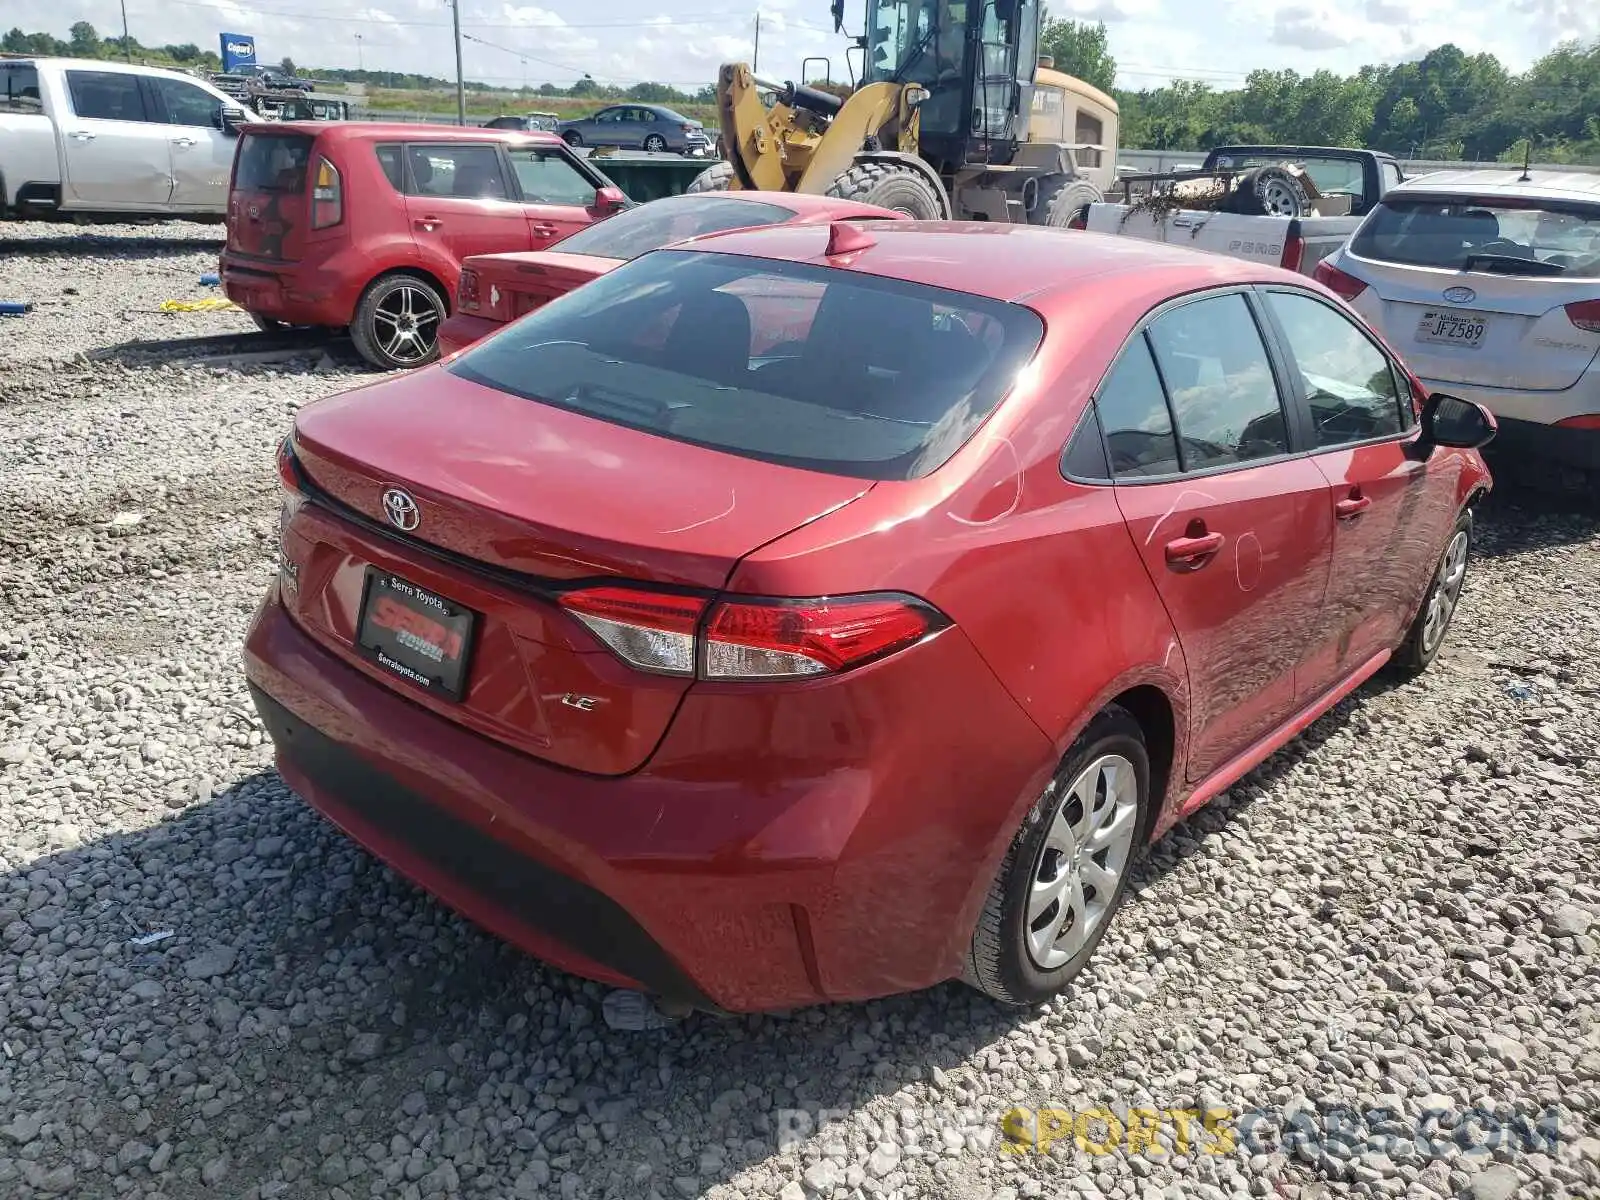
x,y
461,86
755,59
360,63
127,52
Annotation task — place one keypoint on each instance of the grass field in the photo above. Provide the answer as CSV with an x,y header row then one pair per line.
x,y
493,104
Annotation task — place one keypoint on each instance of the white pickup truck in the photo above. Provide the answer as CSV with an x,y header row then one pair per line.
x,y
82,138
1290,206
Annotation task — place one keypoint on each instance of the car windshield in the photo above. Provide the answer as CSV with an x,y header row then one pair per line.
x,y
1485,233
806,366
661,222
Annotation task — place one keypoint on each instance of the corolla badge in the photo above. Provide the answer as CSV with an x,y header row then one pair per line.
x,y
1460,295
401,509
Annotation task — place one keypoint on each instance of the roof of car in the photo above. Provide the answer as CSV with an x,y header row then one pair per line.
x,y
417,131
1542,185
97,64
1003,262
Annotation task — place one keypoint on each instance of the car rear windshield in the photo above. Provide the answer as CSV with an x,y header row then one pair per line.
x,y
1485,233
822,369
661,222
272,162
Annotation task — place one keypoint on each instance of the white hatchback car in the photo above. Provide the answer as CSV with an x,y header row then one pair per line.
x,y
1487,284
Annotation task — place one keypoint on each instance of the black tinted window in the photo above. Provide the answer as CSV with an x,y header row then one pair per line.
x,y
1220,382
272,163
1086,453
653,225
393,168
19,89
187,104
1348,382
465,172
823,369
1134,416
106,96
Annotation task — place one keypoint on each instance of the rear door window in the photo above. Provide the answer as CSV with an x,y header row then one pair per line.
x,y
462,171
822,369
272,162
549,177
19,89
106,96
1349,384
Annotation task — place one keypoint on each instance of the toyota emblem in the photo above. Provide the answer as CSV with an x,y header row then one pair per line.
x,y
1460,295
401,509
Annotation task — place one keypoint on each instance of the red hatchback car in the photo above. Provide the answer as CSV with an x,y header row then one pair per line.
x,y
499,288
365,225
816,613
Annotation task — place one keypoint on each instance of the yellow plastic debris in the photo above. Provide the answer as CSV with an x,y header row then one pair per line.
x,y
212,304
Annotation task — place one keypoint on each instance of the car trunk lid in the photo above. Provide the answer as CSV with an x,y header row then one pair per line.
x,y
517,502
512,285
269,201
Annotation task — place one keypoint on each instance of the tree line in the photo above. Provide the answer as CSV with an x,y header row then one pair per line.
x,y
1447,105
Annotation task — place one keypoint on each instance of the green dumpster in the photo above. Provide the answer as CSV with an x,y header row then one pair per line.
x,y
644,176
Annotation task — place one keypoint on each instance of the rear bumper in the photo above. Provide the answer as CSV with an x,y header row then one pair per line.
x,y
299,293
460,330
761,860
1536,408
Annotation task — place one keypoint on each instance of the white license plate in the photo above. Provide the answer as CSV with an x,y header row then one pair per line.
x,y
1452,328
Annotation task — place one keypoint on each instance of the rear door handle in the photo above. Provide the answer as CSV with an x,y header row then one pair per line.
x,y
1192,553
1351,507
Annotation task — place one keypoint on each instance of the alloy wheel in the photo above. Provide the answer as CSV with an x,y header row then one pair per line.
x,y
1086,850
1446,591
406,323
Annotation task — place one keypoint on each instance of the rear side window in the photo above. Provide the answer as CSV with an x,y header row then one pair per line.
x,y
1485,233
1219,379
1349,383
1134,415
548,177
391,162
19,89
672,219
462,172
816,368
106,96
272,162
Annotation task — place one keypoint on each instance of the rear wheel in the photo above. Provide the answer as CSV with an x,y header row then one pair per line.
x,y
655,143
1061,197
397,322
573,137
1067,870
1426,634
716,178
891,186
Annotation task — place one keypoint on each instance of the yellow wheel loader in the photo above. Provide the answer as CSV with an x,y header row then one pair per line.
x,y
956,117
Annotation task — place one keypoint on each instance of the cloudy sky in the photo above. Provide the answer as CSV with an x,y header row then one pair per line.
x,y
628,40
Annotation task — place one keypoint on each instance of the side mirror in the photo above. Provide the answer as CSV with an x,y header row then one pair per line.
x,y
1456,423
610,200
229,119
837,9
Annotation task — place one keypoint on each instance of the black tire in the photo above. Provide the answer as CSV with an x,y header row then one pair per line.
x,y
716,178
273,325
374,336
655,143
1001,963
889,185
1425,637
572,137
1061,197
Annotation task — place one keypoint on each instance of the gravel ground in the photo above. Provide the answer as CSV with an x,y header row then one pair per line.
x,y
1399,912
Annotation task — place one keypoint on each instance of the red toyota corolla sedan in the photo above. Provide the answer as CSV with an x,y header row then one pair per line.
x,y
817,613
498,288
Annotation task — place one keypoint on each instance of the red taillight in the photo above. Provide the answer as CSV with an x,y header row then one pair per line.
x,y
1294,248
467,289
1587,421
327,196
1585,314
754,638
1346,287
